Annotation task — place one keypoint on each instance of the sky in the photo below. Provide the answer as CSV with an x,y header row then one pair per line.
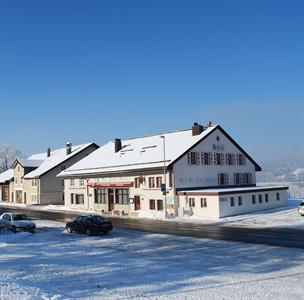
x,y
83,71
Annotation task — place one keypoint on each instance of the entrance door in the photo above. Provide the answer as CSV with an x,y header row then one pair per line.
x,y
137,202
111,199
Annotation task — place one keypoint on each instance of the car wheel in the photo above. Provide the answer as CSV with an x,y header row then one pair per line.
x,y
69,229
89,232
14,229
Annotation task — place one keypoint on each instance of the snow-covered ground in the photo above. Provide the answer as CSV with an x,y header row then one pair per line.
x,y
52,264
287,216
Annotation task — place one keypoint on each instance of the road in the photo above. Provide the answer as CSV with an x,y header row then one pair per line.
x,y
282,237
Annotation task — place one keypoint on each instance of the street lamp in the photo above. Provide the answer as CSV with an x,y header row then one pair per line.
x,y
165,181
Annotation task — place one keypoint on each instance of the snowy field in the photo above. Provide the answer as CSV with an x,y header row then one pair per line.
x,y
52,264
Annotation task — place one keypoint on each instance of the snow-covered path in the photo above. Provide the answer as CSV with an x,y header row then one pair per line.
x,y
134,265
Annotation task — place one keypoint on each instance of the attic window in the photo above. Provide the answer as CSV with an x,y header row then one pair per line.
x,y
218,138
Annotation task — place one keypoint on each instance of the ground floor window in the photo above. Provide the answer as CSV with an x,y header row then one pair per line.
x,y
253,199
152,204
240,201
266,198
79,199
100,196
121,196
19,196
72,198
160,205
260,198
231,201
191,202
203,202
34,198
278,196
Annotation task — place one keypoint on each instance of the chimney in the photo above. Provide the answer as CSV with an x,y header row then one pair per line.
x,y
197,129
117,143
68,148
48,152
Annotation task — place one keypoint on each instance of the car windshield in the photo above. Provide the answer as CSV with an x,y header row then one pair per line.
x,y
20,217
98,219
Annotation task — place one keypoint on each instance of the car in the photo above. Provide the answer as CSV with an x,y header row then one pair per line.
x,y
301,209
89,224
17,222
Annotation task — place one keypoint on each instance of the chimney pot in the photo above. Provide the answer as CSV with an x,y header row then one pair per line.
x,y
117,144
68,148
48,153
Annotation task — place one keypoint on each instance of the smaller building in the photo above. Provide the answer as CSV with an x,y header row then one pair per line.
x,y
6,184
223,202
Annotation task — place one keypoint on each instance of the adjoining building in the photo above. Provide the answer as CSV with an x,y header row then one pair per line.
x,y
6,184
35,180
206,173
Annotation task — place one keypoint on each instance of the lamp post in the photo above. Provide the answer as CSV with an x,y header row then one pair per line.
x,y
165,181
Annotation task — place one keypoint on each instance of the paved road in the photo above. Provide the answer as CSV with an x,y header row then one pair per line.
x,y
269,236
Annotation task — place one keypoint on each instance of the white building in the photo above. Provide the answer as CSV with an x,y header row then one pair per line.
x,y
206,173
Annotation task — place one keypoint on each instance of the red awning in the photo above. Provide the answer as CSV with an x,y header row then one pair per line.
x,y
116,184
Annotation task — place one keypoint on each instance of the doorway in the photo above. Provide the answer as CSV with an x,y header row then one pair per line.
x,y
111,199
137,202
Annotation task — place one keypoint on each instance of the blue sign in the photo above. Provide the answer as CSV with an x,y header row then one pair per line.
x,y
163,187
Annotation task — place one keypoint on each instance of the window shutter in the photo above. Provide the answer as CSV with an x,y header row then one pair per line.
x,y
203,158
233,159
226,179
234,178
243,178
222,158
211,158
215,158
237,159
227,159
250,178
244,159
189,158
219,179
197,158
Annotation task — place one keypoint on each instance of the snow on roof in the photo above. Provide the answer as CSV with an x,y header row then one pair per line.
x,y
6,175
232,190
57,157
137,153
30,162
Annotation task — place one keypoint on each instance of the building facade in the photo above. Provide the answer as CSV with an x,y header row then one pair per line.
x,y
6,184
127,177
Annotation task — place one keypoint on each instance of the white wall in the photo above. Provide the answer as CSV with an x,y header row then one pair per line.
x,y
191,176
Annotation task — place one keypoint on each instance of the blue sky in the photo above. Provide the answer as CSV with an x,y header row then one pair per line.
x,y
97,70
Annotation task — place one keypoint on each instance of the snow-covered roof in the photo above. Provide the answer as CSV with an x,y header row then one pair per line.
x,y
57,157
137,153
235,190
7,175
28,162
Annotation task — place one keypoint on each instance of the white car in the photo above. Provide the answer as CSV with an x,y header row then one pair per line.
x,y
17,222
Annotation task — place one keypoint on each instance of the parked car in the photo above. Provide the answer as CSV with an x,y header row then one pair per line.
x,y
17,222
301,209
89,224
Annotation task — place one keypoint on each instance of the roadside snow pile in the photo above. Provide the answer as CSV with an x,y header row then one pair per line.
x,y
135,265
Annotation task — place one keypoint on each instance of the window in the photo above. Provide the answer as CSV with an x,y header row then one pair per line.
x,y
34,198
72,183
237,178
253,199
266,198
72,198
230,159
159,204
81,182
21,180
219,158
152,204
193,158
122,196
231,201
191,202
203,202
278,196
137,182
222,179
79,199
206,158
240,201
100,196
247,178
18,169
158,181
151,182
16,180
260,198
241,159
34,182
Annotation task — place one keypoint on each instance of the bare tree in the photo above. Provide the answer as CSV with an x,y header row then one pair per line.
x,y
7,156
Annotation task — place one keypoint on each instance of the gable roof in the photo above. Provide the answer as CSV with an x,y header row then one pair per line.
x,y
143,153
56,158
137,153
27,163
7,175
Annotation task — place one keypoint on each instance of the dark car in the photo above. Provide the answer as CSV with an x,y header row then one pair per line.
x,y
301,209
89,224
